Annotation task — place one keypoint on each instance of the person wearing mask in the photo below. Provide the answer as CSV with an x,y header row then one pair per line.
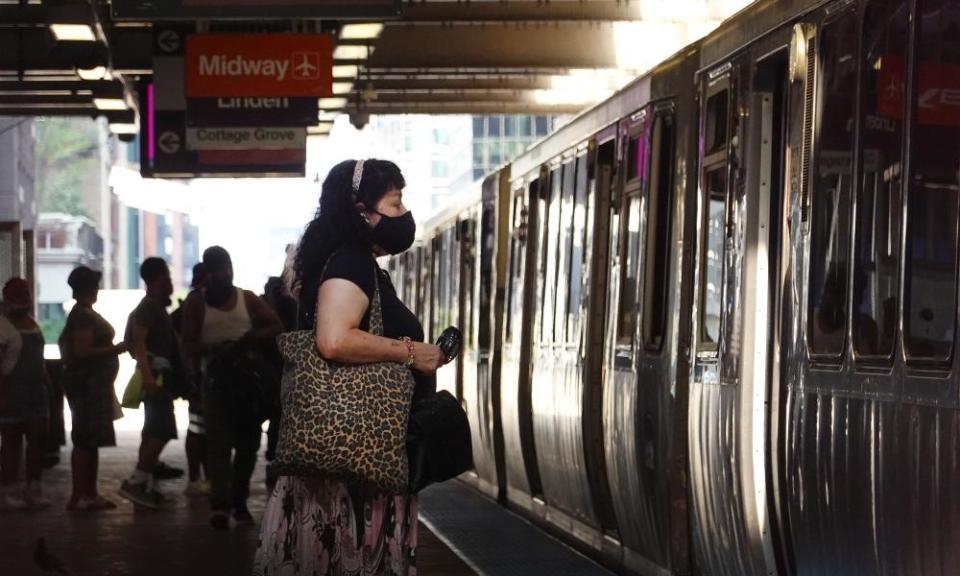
x,y
219,330
24,405
90,369
321,525
153,344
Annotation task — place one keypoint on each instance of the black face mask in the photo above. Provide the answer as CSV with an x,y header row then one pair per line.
x,y
394,233
217,294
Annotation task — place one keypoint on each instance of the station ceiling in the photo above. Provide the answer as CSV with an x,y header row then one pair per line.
x,y
430,56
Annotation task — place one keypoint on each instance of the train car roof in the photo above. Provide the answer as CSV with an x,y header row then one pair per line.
x,y
460,201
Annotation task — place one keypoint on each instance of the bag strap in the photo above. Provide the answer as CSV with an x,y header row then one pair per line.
x,y
376,311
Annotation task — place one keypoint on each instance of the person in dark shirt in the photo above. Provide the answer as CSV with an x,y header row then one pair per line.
x,y
153,344
90,369
361,216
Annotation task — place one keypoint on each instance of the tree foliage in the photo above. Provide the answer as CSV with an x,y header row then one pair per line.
x,y
67,159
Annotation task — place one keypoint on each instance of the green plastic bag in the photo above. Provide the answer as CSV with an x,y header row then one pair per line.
x,y
133,393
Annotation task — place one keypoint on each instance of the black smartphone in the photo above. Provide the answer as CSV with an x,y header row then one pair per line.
x,y
450,343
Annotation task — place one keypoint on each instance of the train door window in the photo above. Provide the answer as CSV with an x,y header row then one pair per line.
x,y
630,271
832,187
435,298
516,247
932,213
714,181
564,250
468,268
577,243
659,194
552,221
879,208
484,251
633,157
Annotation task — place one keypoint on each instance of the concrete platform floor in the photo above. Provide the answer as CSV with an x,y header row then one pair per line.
x,y
176,540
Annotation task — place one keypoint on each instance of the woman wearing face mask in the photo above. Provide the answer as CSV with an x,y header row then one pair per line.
x,y
322,525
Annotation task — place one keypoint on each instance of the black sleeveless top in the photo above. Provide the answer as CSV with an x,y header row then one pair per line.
x,y
355,263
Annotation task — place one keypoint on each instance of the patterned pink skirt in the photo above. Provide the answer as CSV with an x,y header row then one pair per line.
x,y
317,527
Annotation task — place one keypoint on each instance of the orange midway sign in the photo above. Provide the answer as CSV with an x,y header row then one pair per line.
x,y
259,65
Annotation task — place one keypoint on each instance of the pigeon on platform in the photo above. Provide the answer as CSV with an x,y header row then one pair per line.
x,y
47,562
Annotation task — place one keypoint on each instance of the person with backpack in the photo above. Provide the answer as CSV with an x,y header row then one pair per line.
x,y
222,331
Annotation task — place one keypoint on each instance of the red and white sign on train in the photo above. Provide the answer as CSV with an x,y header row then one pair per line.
x,y
261,65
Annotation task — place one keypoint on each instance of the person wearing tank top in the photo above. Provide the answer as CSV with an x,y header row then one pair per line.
x,y
218,323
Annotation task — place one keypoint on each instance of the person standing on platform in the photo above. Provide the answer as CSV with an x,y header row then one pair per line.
x,y
90,369
221,329
278,297
323,525
24,398
196,443
153,344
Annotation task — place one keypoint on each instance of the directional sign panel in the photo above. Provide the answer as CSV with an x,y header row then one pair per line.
x,y
259,65
166,147
228,9
252,111
239,138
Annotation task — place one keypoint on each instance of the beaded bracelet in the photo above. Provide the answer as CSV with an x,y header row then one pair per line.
x,y
411,357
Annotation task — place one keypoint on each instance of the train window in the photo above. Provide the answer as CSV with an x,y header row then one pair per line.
x,y
577,265
879,208
717,120
516,246
633,157
660,188
934,185
467,275
548,255
565,230
832,186
630,269
716,188
484,248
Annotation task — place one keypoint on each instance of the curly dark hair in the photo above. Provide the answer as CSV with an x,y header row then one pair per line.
x,y
338,222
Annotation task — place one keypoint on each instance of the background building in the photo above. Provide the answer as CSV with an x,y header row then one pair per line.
x,y
18,204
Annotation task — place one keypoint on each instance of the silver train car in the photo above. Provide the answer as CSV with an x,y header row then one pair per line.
x,y
711,323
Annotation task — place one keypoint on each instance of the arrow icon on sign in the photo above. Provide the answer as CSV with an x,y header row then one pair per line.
x,y
169,142
168,41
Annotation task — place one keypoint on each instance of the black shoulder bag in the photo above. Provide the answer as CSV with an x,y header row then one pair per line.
x,y
438,434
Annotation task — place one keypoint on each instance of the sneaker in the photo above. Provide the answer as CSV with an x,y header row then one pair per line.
x,y
35,498
139,494
197,488
243,516
219,520
11,502
163,472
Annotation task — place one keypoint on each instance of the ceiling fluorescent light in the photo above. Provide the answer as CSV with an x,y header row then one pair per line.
x,y
95,73
73,32
324,116
332,103
366,31
342,87
346,71
351,52
110,103
125,128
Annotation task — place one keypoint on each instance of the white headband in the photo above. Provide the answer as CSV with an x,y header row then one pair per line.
x,y
357,177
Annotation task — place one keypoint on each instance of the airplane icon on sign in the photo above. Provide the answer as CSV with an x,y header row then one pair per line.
x,y
306,65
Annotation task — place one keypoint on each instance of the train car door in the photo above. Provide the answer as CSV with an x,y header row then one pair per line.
x,y
480,392
520,453
721,526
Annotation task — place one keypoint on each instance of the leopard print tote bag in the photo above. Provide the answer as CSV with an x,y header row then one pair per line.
x,y
346,421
